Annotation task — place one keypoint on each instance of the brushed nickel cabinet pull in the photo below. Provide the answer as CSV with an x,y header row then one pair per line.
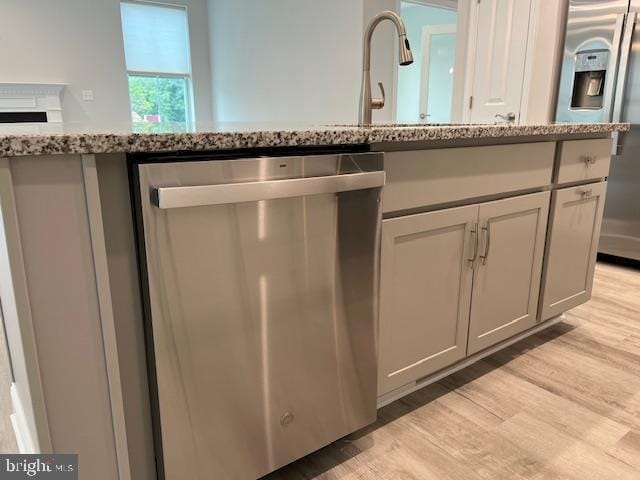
x,y
474,234
487,232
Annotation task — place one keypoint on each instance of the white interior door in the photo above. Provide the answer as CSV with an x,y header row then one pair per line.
x,y
436,75
499,64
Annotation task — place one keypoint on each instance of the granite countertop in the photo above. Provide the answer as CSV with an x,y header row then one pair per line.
x,y
44,139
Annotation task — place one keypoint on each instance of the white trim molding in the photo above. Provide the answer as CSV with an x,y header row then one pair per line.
x,y
448,4
29,406
463,70
24,439
428,32
31,88
107,322
33,97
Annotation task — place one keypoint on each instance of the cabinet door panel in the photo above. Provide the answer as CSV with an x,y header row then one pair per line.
x,y
507,282
572,247
425,293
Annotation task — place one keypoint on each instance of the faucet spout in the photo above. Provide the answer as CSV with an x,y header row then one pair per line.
x,y
367,102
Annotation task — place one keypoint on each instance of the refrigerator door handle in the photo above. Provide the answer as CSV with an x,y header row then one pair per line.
x,y
615,60
621,86
625,51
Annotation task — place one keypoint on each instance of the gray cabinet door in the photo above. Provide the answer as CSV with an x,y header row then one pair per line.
x,y
425,293
507,276
576,219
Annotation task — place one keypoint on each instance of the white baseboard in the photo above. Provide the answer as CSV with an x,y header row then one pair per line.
x,y
24,438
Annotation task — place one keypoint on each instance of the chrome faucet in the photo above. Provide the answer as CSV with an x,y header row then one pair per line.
x,y
367,102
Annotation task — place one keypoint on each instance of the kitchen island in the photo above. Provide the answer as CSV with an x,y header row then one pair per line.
x,y
514,211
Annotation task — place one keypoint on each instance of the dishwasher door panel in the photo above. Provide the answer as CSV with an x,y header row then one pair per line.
x,y
263,318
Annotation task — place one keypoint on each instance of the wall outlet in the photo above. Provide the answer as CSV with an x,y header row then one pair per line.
x,y
87,95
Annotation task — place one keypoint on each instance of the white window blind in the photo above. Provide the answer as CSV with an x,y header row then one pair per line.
x,y
156,38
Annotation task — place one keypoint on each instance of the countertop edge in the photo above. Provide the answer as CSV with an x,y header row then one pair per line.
x,y
101,143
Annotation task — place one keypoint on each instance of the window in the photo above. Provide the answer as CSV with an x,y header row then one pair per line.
x,y
156,45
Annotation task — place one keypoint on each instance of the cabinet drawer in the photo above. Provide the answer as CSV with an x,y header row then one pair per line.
x,y
584,160
429,177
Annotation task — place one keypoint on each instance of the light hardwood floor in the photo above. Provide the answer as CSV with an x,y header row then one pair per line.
x,y
563,404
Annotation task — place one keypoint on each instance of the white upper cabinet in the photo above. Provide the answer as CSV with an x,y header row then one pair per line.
x,y
497,60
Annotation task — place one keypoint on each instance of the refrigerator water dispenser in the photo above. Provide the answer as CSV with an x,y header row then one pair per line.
x,y
589,79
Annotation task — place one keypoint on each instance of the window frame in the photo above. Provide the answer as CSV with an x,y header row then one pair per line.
x,y
187,76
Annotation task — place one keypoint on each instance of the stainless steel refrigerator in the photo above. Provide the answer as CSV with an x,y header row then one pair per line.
x,y
600,82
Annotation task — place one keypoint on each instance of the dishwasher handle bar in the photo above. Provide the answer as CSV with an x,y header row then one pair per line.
x,y
224,194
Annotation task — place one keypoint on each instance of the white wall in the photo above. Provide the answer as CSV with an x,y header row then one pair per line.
x,y
297,61
79,42
286,60
68,41
272,61
200,57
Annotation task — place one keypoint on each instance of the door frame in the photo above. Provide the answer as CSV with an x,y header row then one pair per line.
x,y
469,60
464,14
448,4
427,33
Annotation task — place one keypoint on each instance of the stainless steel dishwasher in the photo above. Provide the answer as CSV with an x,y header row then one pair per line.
x,y
262,279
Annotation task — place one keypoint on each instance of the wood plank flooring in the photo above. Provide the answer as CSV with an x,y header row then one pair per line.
x,y
563,404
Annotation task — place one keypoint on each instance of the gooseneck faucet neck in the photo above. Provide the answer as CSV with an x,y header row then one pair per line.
x,y
386,15
367,102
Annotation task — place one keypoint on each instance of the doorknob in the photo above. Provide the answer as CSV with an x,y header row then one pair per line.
x,y
509,117
424,115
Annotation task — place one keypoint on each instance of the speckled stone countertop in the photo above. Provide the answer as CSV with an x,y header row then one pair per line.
x,y
33,139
